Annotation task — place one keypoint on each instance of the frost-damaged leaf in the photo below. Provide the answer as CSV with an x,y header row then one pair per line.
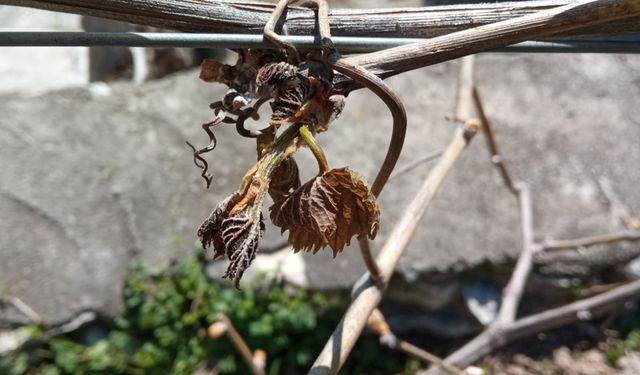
x,y
213,71
235,234
210,232
241,236
284,179
287,104
328,210
242,75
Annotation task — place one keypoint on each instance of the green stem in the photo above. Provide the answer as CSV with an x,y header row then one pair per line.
x,y
315,148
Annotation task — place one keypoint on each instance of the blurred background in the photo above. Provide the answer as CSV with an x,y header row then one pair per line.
x,y
100,271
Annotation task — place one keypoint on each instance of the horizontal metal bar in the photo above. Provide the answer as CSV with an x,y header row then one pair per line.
x,y
346,44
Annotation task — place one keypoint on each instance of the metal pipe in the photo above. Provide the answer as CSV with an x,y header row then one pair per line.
x,y
346,44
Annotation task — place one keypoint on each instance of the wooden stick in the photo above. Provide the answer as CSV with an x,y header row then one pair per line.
x,y
367,294
249,17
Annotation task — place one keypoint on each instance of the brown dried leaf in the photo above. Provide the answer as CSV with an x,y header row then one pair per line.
x,y
233,234
278,74
213,71
210,232
287,104
241,234
284,179
328,210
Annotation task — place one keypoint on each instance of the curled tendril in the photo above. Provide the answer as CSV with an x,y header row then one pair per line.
x,y
201,163
221,109
198,160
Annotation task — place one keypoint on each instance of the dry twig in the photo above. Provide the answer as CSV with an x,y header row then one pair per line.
x,y
25,309
496,158
512,293
224,325
464,102
414,163
577,243
380,327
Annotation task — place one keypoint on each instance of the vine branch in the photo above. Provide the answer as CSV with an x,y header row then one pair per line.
x,y
249,17
475,32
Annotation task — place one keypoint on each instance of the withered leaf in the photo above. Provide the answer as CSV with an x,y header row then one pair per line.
x,y
328,210
234,234
213,71
210,232
241,236
287,104
284,179
277,74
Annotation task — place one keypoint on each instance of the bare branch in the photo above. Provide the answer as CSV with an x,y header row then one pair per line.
x,y
415,351
512,293
602,288
543,23
366,294
625,235
414,163
380,327
496,158
505,328
74,324
25,309
465,87
585,309
249,17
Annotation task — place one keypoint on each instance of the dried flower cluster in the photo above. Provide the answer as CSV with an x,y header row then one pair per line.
x,y
330,209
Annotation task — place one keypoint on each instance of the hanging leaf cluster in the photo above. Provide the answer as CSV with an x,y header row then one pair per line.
x,y
327,211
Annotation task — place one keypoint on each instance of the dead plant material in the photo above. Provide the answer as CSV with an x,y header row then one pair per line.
x,y
328,211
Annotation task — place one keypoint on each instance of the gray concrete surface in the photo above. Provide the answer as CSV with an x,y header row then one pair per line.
x,y
37,70
93,178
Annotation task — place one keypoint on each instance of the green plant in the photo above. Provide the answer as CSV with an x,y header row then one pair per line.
x,y
617,348
162,330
